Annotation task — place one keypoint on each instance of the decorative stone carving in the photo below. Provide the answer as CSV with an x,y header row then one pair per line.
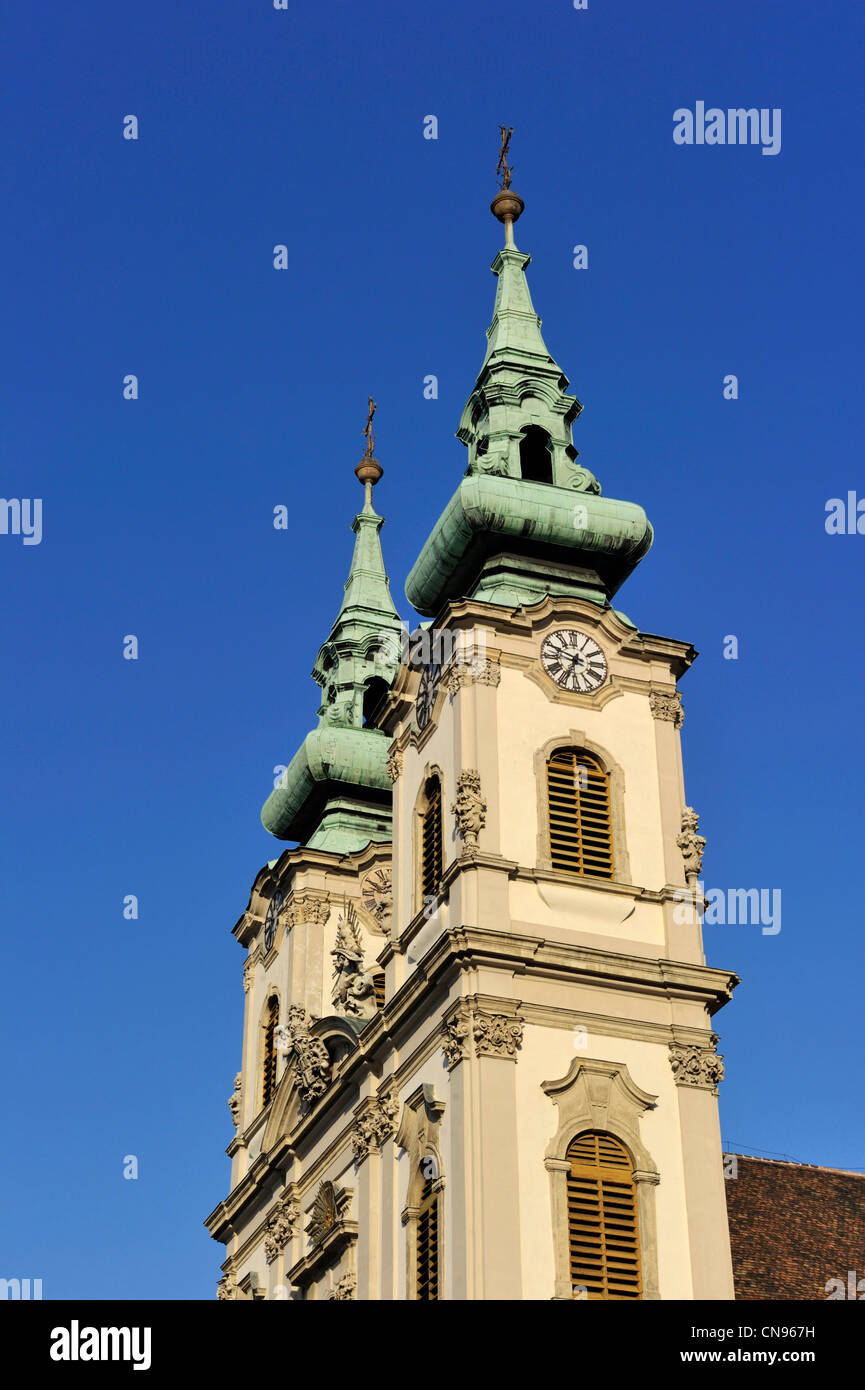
x,y
344,1289
696,1066
280,1226
497,1035
667,707
469,809
312,1064
226,1289
308,907
328,1209
394,765
374,1124
456,1032
353,988
234,1100
480,671
692,845
247,975
581,480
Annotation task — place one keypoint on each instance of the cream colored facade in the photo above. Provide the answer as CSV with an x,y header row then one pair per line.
x,y
522,1007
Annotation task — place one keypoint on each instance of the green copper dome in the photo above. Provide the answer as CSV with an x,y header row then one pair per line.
x,y
526,520
336,794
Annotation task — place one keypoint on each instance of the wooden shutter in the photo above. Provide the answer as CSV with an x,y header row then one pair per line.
x,y
602,1219
428,1244
378,985
581,831
269,1071
431,840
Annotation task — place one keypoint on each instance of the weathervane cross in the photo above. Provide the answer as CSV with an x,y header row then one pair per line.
x,y
370,437
502,168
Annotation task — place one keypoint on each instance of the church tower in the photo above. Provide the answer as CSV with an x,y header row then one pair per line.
x,y
478,1057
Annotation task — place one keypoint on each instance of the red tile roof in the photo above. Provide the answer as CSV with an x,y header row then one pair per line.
x,y
794,1227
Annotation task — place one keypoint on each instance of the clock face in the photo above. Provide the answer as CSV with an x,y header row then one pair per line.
x,y
426,695
271,921
376,891
574,660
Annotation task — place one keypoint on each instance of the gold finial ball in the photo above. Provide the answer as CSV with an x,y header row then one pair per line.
x,y
507,205
369,470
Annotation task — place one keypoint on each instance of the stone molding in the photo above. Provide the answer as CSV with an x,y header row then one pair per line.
x,y
697,1066
470,809
667,707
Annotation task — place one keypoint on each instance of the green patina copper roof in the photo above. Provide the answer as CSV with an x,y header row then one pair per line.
x,y
335,793
506,536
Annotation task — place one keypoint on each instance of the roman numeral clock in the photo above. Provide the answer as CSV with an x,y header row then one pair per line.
x,y
574,660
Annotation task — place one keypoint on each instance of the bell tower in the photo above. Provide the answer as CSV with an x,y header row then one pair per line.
x,y
507,1087
562,944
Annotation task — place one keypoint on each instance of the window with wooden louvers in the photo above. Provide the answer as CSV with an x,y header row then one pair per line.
x,y
269,1069
378,986
428,1244
431,840
581,831
602,1219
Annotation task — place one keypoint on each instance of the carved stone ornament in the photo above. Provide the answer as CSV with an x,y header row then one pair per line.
x,y
353,988
226,1289
312,1065
394,765
280,1227
696,1066
374,1125
235,1099
456,1032
344,1289
477,671
691,844
667,707
247,975
328,1209
496,1035
307,907
469,809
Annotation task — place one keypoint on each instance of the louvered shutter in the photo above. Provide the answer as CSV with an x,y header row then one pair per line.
x,y
431,837
581,833
428,1244
602,1219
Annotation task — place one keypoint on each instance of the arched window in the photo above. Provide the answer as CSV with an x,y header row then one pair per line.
x,y
602,1219
578,799
428,1243
536,458
374,691
268,1077
431,839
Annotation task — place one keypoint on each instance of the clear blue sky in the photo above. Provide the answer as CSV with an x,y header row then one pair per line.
x,y
154,257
